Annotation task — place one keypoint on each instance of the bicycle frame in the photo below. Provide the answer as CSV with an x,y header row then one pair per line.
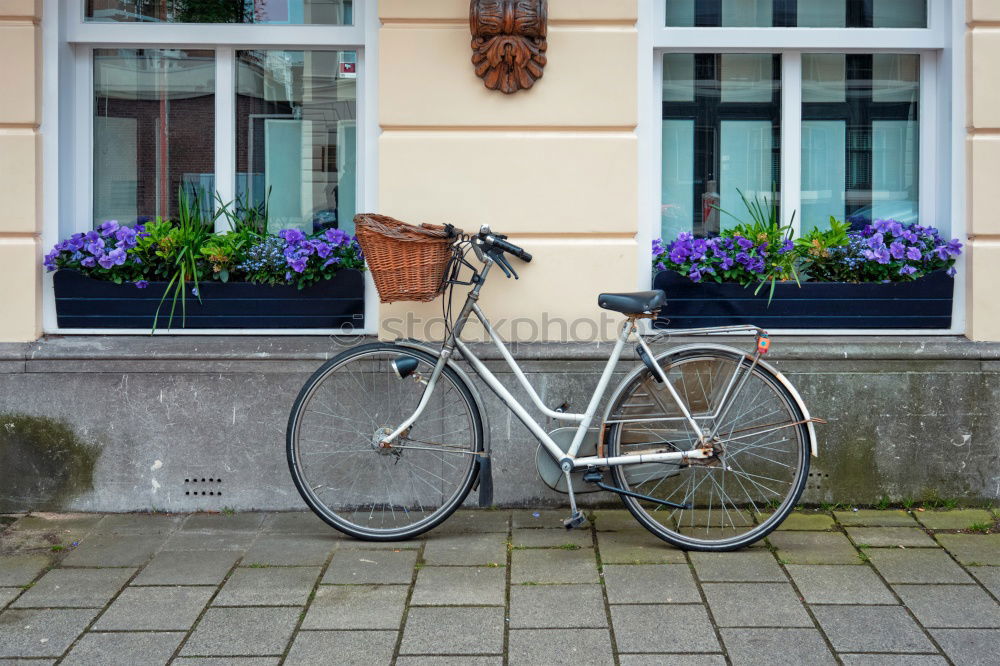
x,y
568,460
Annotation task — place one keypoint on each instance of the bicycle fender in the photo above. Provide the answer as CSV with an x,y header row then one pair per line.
x,y
810,427
464,376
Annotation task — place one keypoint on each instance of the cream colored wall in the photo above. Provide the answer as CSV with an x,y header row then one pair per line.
x,y
554,166
983,154
20,113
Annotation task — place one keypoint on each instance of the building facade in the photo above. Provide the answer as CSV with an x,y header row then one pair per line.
x,y
648,115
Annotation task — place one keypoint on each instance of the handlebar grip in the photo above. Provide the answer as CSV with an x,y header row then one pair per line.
x,y
510,248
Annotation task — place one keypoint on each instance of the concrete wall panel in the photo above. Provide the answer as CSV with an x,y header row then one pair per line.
x,y
19,174
19,103
20,292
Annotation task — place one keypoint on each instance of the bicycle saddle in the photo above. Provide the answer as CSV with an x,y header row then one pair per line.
x,y
633,302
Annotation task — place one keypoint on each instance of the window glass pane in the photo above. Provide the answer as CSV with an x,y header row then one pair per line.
x,y
296,136
154,131
797,13
860,138
721,140
291,12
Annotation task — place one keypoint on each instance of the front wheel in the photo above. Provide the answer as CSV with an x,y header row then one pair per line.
x,y
762,449
339,420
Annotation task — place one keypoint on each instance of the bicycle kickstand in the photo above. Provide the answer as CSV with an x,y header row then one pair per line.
x,y
576,520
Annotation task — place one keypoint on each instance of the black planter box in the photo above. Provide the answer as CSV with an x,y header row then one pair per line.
x,y
83,302
920,304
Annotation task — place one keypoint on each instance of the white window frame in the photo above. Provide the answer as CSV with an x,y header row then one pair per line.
x,y
942,115
67,120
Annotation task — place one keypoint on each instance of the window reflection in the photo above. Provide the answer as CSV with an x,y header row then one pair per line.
x,y
292,12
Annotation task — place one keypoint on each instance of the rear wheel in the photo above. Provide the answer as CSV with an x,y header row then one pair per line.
x,y
334,434
761,440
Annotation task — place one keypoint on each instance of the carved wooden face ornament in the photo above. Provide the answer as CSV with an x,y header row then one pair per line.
x,y
508,42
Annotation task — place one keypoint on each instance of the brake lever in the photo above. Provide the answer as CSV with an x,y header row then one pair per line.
x,y
505,266
499,262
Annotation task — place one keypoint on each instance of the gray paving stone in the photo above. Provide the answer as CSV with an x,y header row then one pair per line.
x,y
124,649
475,521
839,584
347,543
80,588
969,647
802,521
959,519
525,538
459,586
677,628
636,546
7,595
155,609
16,570
295,522
290,550
466,549
229,661
875,518
557,606
917,566
242,632
138,523
989,577
977,549
41,633
357,607
58,522
453,631
891,537
615,520
208,522
950,606
755,605
758,567
382,567
671,660
893,660
363,648
27,662
814,548
237,542
650,584
446,661
115,550
271,586
553,647
539,518
871,629
553,566
187,568
778,647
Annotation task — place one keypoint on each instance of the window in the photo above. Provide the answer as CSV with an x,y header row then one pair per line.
x,y
294,12
835,108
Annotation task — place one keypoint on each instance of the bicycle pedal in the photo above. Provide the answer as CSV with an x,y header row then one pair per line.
x,y
576,521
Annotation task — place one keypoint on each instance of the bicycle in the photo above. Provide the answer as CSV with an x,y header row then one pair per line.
x,y
707,446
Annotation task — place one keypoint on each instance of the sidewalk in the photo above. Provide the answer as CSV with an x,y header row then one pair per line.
x,y
497,587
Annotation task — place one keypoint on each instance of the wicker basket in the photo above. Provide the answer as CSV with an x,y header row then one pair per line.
x,y
407,262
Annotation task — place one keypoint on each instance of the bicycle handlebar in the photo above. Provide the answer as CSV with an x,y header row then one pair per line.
x,y
497,241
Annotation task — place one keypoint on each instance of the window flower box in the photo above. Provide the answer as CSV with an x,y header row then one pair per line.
x,y
337,303
925,303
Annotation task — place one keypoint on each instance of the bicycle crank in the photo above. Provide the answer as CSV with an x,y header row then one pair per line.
x,y
597,478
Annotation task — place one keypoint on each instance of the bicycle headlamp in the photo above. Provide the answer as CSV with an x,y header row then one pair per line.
x,y
404,366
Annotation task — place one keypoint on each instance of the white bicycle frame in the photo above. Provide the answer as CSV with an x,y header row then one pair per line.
x,y
568,460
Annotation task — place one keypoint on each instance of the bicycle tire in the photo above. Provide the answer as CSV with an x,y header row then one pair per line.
x,y
336,517
750,519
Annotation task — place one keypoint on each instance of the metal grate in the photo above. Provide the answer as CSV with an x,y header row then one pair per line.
x,y
203,486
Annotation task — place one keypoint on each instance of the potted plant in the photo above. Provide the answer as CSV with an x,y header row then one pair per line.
x,y
882,275
181,273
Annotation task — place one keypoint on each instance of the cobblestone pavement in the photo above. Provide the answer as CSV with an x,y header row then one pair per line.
x,y
497,587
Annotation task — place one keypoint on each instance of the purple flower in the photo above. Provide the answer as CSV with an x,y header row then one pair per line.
x,y
882,254
756,265
952,272
909,236
875,240
678,254
685,236
660,266
727,263
292,236
194,291
657,245
897,250
109,227
336,260
743,258
895,228
907,270
942,253
126,237
141,284
88,262
913,253
75,242
744,243
298,264
695,275
322,249
786,247
95,247
954,247
883,226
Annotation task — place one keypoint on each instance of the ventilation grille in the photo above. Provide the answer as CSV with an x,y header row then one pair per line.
x,y
203,486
